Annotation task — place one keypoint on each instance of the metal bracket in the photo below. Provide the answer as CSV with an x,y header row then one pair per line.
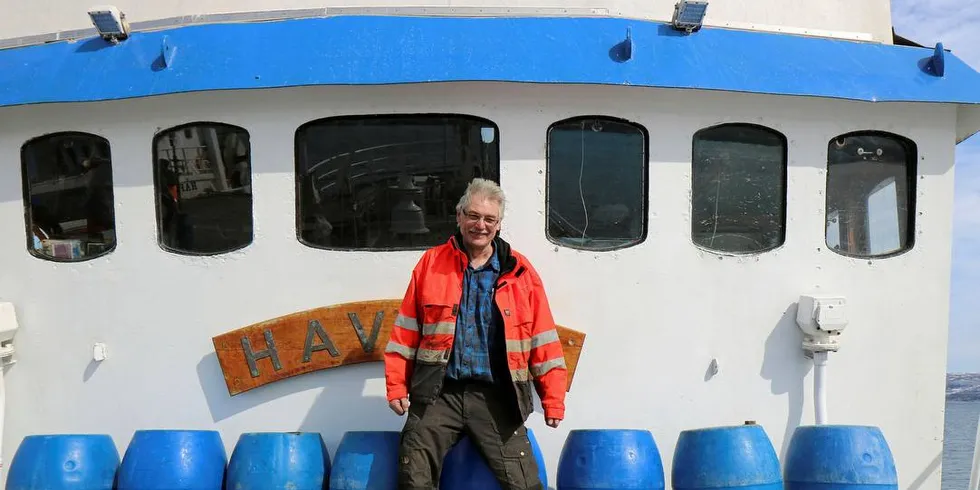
x,y
628,45
623,50
167,52
939,60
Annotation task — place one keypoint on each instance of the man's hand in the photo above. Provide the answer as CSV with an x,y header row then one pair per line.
x,y
399,406
552,422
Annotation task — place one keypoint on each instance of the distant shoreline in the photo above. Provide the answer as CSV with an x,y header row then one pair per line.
x,y
963,387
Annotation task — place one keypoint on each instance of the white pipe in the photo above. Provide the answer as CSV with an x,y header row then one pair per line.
x,y
975,471
820,387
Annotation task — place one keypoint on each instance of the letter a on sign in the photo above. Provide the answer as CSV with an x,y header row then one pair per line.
x,y
314,328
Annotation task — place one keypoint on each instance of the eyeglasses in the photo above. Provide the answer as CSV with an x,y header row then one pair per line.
x,y
476,217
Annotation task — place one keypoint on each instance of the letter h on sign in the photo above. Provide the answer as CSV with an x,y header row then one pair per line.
x,y
270,351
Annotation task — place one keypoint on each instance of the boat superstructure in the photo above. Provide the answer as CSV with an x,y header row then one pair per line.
x,y
681,192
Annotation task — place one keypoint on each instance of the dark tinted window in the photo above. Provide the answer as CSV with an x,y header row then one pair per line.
x,y
738,188
597,181
67,180
388,182
870,194
203,177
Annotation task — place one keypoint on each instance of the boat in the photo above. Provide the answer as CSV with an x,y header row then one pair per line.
x,y
741,212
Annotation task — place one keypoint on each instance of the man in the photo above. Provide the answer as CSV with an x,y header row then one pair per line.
x,y
473,332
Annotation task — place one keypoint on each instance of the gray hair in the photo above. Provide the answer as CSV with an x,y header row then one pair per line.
x,y
482,187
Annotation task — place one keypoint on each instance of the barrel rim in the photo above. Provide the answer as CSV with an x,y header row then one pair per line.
x,y
776,485
871,428
826,481
177,431
372,432
610,431
68,435
266,433
716,428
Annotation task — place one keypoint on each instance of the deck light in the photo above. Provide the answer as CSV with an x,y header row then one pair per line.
x,y
689,15
110,22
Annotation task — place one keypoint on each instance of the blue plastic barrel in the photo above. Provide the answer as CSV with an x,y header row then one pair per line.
x,y
725,457
464,468
626,459
366,460
173,460
64,462
278,461
844,457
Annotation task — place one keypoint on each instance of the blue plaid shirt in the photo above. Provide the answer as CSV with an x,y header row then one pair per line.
x,y
470,358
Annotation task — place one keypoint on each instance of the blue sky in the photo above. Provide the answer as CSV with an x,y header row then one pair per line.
x,y
956,23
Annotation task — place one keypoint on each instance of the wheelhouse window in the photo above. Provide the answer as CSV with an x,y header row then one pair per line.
x,y
596,183
203,182
870,194
738,189
388,182
67,179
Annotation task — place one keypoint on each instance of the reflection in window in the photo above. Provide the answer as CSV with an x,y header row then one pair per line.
x,y
203,188
870,189
68,196
596,181
388,182
738,195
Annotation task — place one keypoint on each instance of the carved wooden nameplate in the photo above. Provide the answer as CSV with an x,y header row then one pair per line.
x,y
324,338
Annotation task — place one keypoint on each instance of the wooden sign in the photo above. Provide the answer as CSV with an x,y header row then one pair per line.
x,y
324,338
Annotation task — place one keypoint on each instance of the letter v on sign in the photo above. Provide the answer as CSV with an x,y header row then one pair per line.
x,y
367,342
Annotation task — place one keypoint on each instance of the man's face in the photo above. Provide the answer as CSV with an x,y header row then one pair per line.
x,y
479,222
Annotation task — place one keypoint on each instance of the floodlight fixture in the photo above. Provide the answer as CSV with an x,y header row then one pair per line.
x,y
110,22
689,15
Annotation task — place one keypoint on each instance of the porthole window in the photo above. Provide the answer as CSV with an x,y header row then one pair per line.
x,y
203,182
69,210
388,182
870,194
596,183
738,189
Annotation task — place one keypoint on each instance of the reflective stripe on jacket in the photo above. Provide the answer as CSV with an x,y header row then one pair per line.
x,y
422,337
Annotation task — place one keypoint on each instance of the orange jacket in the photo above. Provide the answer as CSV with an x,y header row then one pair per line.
x,y
422,338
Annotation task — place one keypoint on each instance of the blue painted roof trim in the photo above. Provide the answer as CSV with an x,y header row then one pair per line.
x,y
368,50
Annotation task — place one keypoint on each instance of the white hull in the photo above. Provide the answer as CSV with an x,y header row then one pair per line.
x,y
656,314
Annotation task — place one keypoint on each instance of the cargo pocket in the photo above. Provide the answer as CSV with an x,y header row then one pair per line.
x,y
518,462
412,460
413,469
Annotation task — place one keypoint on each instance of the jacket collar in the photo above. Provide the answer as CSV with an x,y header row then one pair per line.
x,y
508,262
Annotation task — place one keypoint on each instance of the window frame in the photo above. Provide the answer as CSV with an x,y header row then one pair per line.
x,y
26,197
300,130
156,182
911,176
645,176
783,200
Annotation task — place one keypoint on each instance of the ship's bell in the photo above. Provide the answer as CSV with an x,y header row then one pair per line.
x,y
406,216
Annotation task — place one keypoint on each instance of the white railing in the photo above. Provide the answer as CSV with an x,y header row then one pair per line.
x,y
975,470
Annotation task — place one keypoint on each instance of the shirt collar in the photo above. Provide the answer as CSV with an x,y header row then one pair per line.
x,y
492,264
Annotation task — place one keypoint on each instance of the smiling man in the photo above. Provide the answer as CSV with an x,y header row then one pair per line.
x,y
473,334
